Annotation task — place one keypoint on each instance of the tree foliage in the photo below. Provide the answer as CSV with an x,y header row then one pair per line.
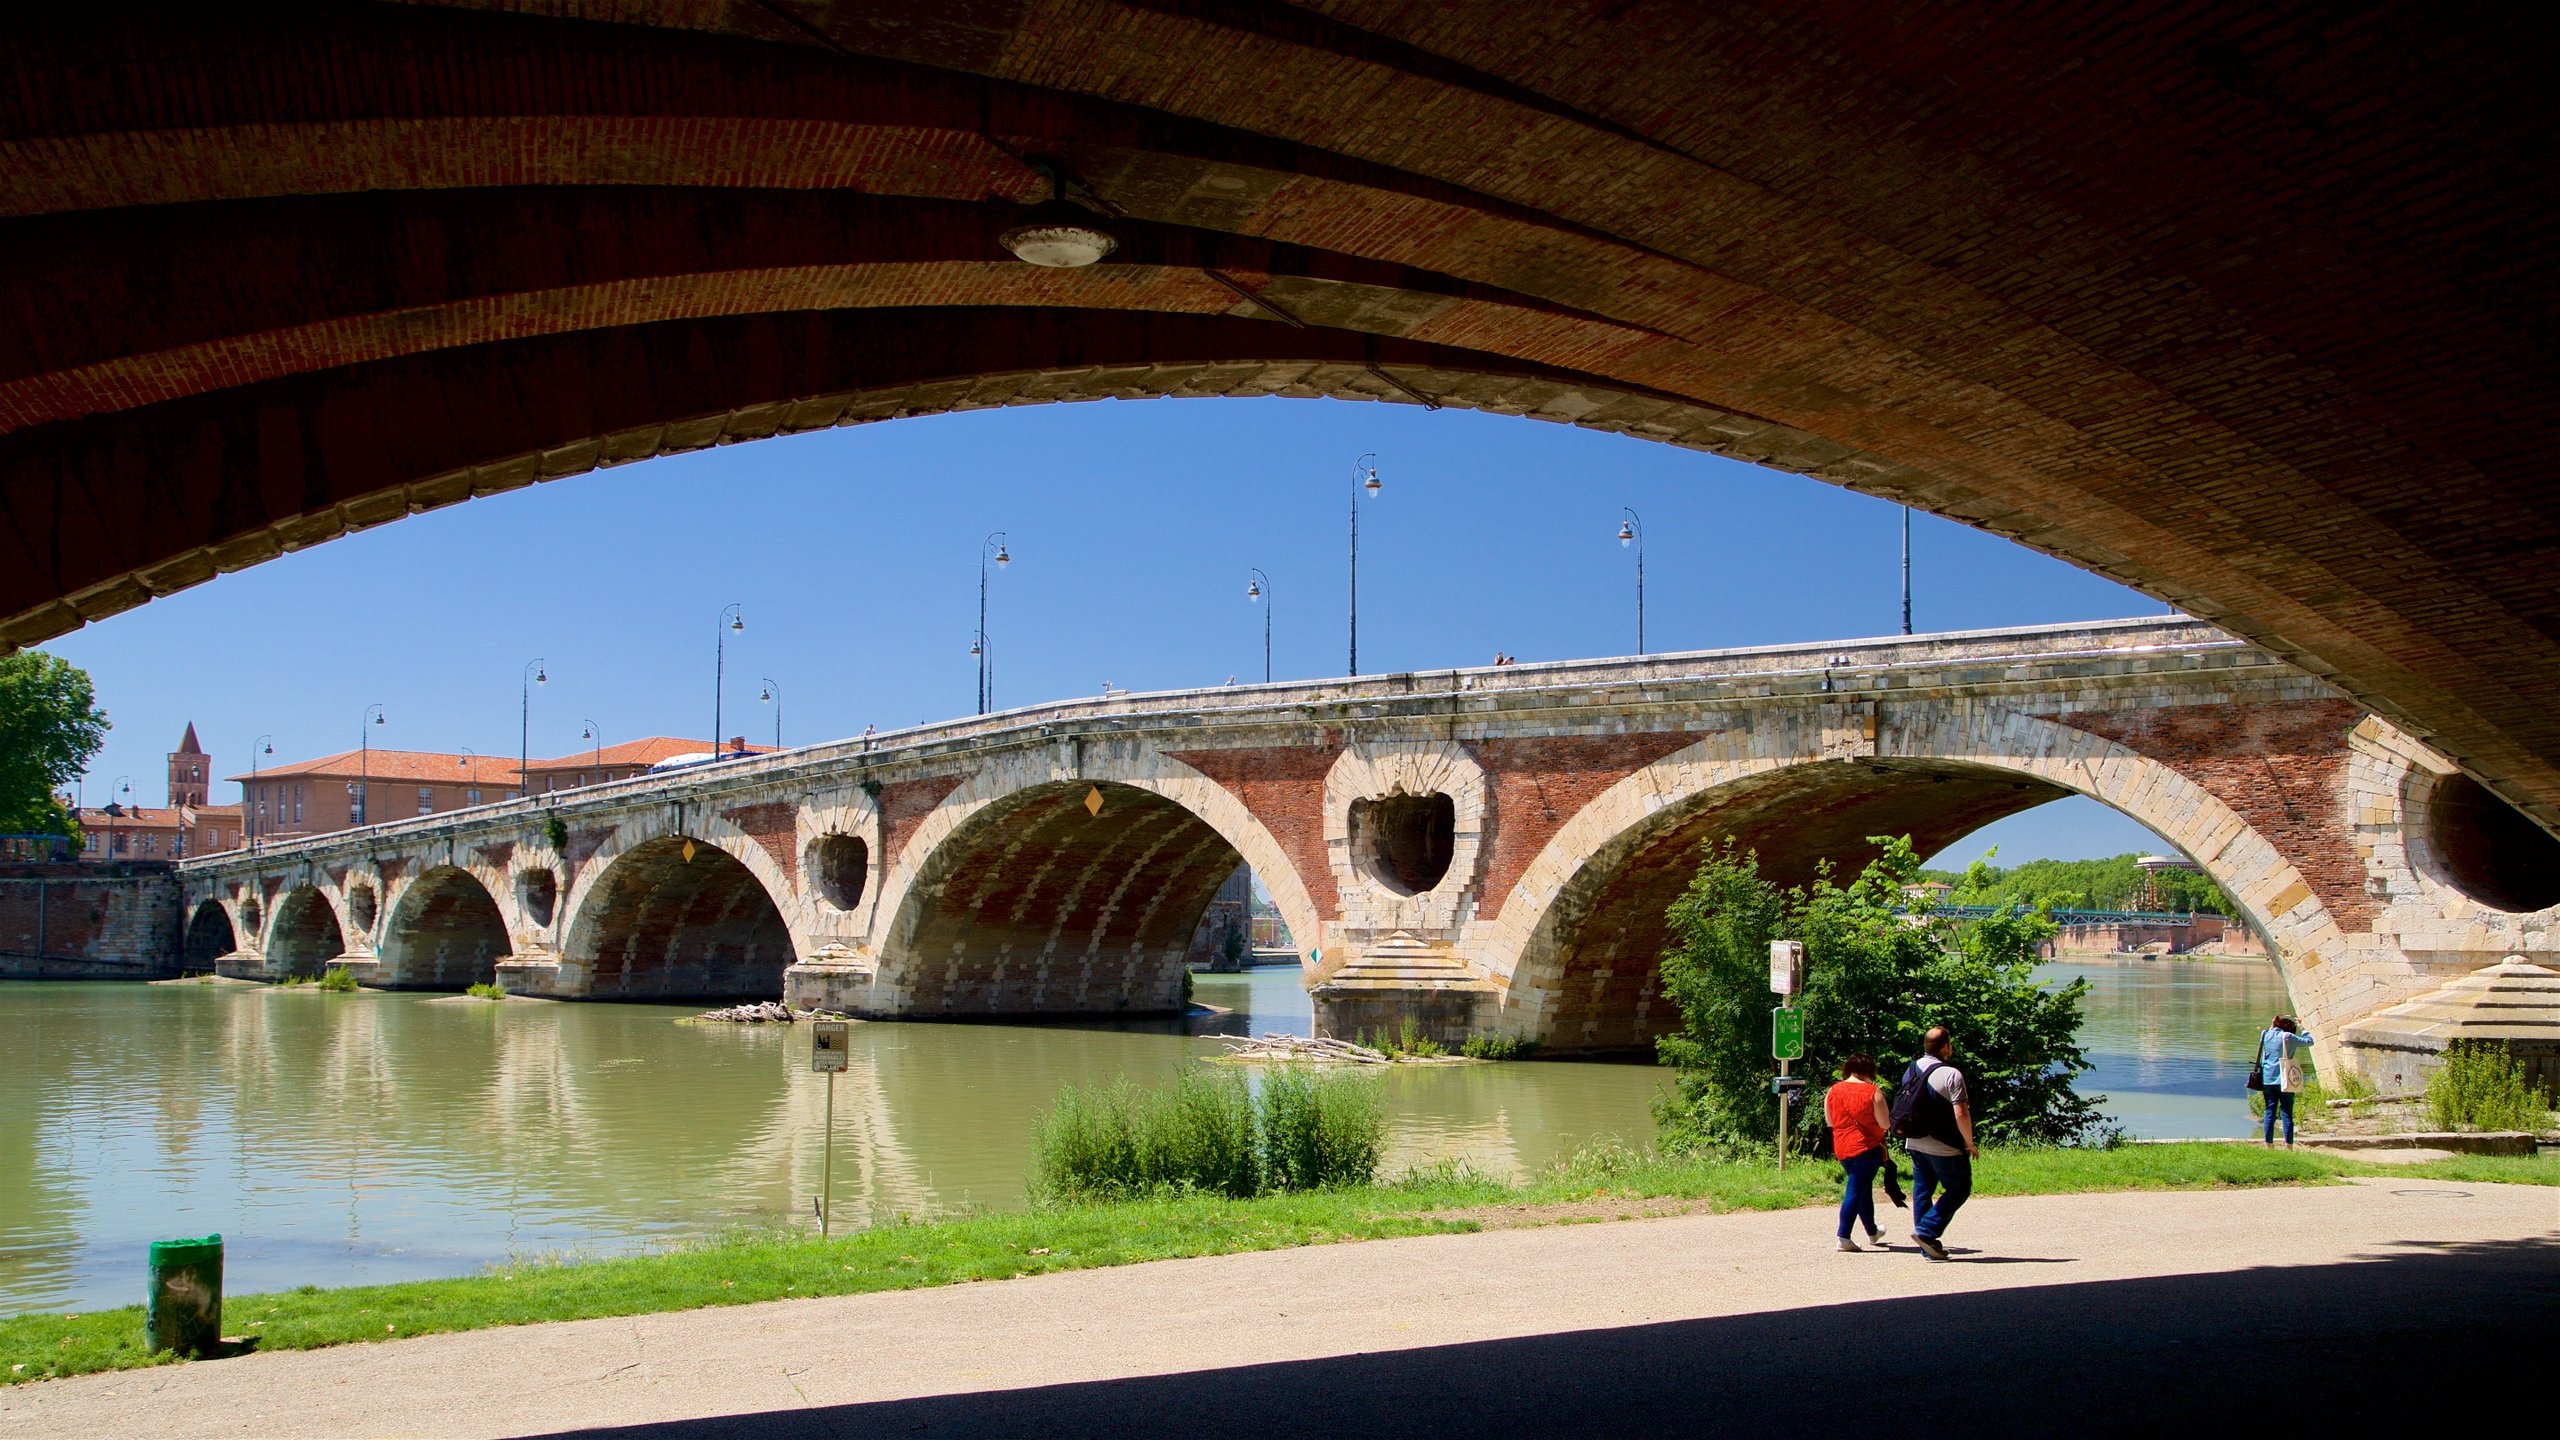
x,y
49,727
2114,883
1878,975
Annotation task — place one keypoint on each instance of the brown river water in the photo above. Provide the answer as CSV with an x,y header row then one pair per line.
x,y
351,1139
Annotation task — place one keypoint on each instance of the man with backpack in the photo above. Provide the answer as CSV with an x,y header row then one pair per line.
x,y
1934,1116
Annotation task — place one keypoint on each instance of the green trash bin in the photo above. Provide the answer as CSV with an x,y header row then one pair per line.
x,y
184,1312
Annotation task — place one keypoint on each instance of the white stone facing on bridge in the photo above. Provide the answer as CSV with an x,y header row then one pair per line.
x,y
1509,836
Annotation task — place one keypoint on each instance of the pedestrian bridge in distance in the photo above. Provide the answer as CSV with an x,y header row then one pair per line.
x,y
1485,849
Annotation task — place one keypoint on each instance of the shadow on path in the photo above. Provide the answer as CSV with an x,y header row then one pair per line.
x,y
2418,1333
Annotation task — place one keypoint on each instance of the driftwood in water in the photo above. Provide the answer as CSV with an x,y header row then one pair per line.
x,y
765,1012
1301,1047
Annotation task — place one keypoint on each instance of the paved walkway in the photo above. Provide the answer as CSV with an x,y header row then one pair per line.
x,y
2372,1303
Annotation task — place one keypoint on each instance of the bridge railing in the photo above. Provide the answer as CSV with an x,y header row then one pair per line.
x,y
1849,668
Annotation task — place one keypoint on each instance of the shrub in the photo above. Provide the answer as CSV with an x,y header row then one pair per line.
x,y
338,979
1319,1131
1877,977
1406,1039
1208,1132
2481,1087
486,991
289,982
1498,1045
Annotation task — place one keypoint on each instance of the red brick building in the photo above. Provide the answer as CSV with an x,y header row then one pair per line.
x,y
186,825
353,787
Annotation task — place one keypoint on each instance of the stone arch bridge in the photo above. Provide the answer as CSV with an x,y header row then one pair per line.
x,y
1482,849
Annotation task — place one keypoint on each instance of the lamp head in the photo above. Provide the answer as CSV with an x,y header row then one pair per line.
x,y
975,648
271,749
1626,531
1371,485
1003,557
1253,590
765,694
541,676
1058,234
737,622
378,719
586,732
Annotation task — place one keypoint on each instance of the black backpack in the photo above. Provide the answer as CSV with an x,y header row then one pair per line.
x,y
1918,1111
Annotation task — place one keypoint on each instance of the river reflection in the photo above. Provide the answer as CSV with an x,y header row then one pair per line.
x,y
348,1139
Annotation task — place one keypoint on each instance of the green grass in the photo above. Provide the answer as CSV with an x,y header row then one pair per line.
x,y
751,1266
485,990
339,980
2482,1087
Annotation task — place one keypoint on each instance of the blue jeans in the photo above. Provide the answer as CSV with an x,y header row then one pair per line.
x,y
1858,1196
2278,1100
1940,1184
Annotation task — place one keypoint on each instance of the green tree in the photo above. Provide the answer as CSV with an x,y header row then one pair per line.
x,y
2113,883
1879,974
49,727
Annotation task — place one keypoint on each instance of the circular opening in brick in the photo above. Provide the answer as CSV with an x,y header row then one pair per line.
x,y
1404,842
537,893
360,908
841,864
2490,850
250,916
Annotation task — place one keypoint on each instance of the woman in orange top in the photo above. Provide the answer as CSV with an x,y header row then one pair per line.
x,y
1855,1107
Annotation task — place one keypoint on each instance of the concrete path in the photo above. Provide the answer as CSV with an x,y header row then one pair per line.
x,y
2373,1303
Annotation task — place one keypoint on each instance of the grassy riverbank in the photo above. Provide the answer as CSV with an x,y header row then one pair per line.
x,y
1597,1185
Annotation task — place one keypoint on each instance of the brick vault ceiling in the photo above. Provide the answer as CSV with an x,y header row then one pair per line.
x,y
2244,309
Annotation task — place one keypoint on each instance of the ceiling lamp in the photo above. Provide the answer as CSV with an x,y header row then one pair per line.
x,y
1058,233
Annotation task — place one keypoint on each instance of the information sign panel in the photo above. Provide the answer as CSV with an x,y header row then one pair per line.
x,y
1786,1034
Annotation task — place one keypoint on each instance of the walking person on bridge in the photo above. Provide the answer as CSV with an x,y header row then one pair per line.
x,y
1855,1107
1933,1113
2280,1048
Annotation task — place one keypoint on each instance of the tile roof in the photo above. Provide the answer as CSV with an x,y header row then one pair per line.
x,y
393,766
643,753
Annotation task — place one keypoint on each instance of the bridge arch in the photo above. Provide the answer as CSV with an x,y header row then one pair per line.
x,y
445,932
678,916
210,936
1020,894
1628,854
304,935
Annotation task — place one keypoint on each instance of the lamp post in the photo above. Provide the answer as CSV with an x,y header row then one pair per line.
x,y
773,696
720,634
1906,569
364,764
1259,589
1367,464
534,674
123,786
468,755
1631,531
590,732
993,546
263,745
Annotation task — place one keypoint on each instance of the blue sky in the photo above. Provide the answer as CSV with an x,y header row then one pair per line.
x,y
1132,526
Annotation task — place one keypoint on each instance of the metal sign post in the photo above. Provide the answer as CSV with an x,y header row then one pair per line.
x,y
1786,1031
828,1053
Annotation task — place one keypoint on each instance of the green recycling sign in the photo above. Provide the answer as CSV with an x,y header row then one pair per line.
x,y
1786,1033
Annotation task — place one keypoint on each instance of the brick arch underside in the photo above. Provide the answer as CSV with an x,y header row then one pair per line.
x,y
658,926
1608,925
446,933
2145,291
209,936
1037,907
305,936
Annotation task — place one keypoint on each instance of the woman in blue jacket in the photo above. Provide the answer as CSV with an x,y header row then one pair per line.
x,y
2280,1049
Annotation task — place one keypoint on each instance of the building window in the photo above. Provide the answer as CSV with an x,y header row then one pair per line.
x,y
471,797
426,800
297,802
355,803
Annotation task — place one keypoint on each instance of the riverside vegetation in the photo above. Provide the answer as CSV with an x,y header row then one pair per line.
x,y
904,1253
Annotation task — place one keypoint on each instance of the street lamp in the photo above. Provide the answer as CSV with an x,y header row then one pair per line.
x,y
993,546
773,696
719,665
123,786
1906,569
1631,531
534,675
263,745
592,733
1367,464
363,809
1259,589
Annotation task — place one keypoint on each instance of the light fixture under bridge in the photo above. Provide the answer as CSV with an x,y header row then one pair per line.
x,y
1057,233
